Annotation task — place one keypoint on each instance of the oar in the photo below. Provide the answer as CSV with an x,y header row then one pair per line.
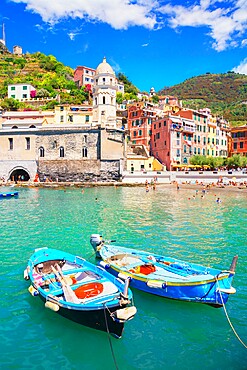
x,y
69,294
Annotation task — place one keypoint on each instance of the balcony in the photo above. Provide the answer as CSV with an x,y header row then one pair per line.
x,y
190,129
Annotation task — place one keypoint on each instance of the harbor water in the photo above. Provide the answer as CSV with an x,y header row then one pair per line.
x,y
165,334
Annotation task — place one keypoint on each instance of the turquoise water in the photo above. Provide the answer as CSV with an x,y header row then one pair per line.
x,y
165,334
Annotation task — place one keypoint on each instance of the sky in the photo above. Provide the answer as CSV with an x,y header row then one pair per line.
x,y
157,43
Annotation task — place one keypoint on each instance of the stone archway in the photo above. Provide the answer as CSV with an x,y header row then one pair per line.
x,y
19,174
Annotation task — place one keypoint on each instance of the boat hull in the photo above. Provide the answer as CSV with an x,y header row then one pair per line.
x,y
206,293
80,291
95,319
167,277
13,194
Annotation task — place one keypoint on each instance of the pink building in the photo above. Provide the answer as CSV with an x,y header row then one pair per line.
x,y
140,117
84,76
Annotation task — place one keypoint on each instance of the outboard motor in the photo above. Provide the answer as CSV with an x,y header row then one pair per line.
x,y
96,242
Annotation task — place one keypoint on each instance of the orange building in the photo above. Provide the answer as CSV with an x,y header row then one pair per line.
x,y
239,140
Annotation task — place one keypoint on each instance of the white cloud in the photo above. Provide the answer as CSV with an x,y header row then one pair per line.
x,y
120,14
227,20
242,68
144,45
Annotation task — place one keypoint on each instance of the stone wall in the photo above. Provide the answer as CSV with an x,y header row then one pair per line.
x,y
78,170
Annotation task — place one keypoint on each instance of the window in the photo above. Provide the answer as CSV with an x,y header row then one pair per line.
x,y
159,124
134,133
178,135
13,96
103,80
241,145
70,118
164,123
24,88
184,148
24,96
235,145
199,151
194,150
203,151
12,88
61,118
11,143
208,140
178,152
61,152
85,138
61,109
212,140
103,99
27,143
140,132
41,151
204,140
158,135
96,101
155,126
84,152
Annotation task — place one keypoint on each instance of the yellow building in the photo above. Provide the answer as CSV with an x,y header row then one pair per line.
x,y
211,137
80,115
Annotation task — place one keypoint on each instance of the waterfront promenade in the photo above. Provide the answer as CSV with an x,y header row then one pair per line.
x,y
186,179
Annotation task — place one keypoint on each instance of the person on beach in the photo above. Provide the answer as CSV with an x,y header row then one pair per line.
x,y
218,200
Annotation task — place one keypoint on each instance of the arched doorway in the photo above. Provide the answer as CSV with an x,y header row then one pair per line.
x,y
19,174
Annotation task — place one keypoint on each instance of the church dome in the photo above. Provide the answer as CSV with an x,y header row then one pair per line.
x,y
104,67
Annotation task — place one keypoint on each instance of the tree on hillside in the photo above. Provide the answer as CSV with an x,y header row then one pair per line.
x,y
128,85
10,104
42,93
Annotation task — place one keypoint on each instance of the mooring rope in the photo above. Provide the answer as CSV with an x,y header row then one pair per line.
x,y
233,329
109,338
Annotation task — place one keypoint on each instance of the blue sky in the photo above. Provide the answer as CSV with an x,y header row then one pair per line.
x,y
154,43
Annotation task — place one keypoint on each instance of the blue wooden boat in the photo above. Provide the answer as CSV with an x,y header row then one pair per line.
x,y
10,194
166,277
79,290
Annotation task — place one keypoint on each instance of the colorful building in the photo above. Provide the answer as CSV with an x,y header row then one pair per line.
x,y
239,140
84,76
140,116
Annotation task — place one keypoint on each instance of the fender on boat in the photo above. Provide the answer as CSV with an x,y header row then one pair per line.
x,y
52,306
125,314
105,265
33,291
25,274
227,291
156,284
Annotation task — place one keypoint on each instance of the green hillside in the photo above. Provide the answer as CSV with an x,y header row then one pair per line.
x,y
225,94
49,77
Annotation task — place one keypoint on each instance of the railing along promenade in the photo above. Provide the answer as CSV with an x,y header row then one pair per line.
x,y
167,177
